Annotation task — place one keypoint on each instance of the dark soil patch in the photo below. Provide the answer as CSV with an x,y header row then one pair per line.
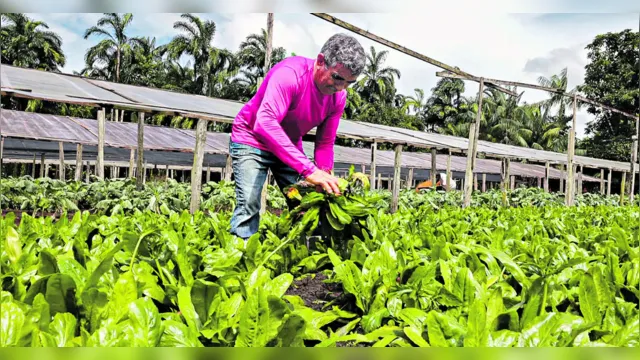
x,y
315,293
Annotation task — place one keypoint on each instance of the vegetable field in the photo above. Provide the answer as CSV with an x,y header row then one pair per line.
x,y
134,268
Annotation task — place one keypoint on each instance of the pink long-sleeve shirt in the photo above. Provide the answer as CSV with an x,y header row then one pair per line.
x,y
285,108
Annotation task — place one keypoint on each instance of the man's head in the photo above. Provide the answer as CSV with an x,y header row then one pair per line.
x,y
339,63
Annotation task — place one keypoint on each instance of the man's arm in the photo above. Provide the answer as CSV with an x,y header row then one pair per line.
x,y
326,138
275,104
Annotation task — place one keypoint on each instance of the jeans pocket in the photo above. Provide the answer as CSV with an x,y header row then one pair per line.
x,y
238,149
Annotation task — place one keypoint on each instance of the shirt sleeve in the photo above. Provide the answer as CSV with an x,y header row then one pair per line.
x,y
278,95
326,138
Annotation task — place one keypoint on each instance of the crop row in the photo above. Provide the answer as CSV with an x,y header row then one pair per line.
x,y
329,273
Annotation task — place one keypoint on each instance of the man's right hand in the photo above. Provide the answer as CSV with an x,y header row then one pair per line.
x,y
325,181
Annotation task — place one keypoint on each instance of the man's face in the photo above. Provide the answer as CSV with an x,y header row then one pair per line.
x,y
331,80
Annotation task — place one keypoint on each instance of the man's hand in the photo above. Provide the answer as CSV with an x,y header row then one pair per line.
x,y
324,181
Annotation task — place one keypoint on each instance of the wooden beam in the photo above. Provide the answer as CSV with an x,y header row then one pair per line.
x,y
449,177
140,170
601,181
569,195
78,162
374,150
609,182
397,47
396,178
434,167
101,136
546,176
61,167
196,171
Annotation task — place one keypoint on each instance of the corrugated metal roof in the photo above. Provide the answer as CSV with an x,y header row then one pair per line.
x,y
75,89
162,143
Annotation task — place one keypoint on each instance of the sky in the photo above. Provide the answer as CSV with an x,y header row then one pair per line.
x,y
508,46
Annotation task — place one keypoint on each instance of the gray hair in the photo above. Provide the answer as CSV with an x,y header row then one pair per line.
x,y
346,50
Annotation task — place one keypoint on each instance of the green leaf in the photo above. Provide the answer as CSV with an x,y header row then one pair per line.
x,y
146,324
124,293
47,264
13,247
436,334
588,297
12,320
60,293
187,308
279,286
63,329
254,321
202,296
476,325
177,334
291,332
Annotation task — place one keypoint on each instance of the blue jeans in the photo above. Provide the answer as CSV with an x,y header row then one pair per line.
x,y
250,166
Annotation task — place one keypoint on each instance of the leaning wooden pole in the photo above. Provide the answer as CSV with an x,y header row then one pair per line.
x,y
569,194
101,136
78,162
601,181
140,169
196,170
396,178
609,178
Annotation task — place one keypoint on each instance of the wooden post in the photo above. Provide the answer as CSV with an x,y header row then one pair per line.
x,y
539,182
1,153
132,158
472,148
144,172
196,170
434,167
546,177
267,57
228,169
389,183
562,179
484,182
634,160
609,182
33,167
410,179
475,182
379,181
78,162
208,173
569,195
61,169
166,173
88,173
374,150
513,182
504,174
140,170
101,136
579,189
449,177
623,184
601,181
396,178
362,168
265,192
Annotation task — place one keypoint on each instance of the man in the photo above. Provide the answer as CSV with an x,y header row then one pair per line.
x,y
297,95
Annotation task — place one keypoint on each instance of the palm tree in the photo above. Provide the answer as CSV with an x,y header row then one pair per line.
x,y
446,104
253,51
197,44
27,43
145,62
114,44
378,83
504,119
